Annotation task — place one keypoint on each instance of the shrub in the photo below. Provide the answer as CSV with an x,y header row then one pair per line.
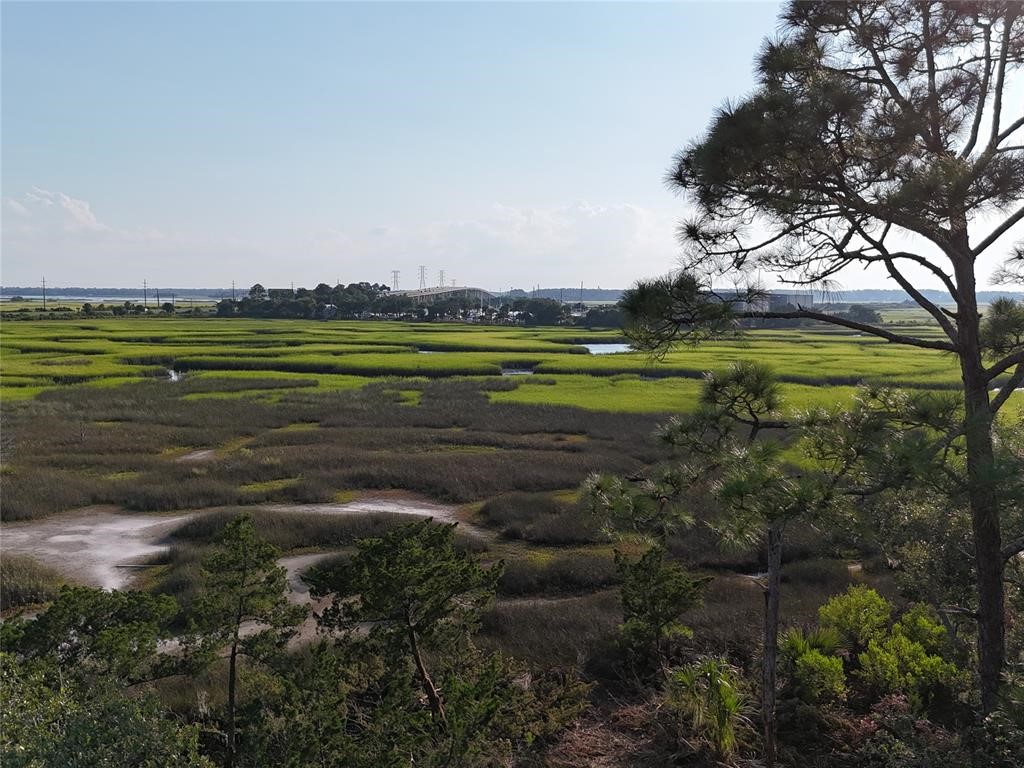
x,y
892,736
897,664
999,741
708,698
819,678
655,594
858,616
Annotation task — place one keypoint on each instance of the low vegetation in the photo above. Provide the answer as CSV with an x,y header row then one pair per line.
x,y
24,581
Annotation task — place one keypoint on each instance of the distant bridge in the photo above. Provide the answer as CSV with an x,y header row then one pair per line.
x,y
441,293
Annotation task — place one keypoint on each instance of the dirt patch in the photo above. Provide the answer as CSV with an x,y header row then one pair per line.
x,y
295,566
104,546
95,546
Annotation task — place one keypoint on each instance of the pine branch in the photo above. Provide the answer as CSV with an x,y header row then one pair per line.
x,y
895,338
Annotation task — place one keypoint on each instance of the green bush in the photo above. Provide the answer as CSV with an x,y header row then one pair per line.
x,y
820,678
858,616
655,592
899,664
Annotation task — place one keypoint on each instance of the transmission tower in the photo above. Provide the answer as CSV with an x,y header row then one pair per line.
x,y
394,279
440,278
423,276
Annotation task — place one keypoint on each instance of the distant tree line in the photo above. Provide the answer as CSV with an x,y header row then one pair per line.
x,y
374,301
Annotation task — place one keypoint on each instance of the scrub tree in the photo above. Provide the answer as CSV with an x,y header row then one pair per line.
x,y
244,587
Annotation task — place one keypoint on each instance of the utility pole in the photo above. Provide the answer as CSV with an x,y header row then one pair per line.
x,y
145,294
232,290
394,279
581,293
440,278
158,297
44,293
423,276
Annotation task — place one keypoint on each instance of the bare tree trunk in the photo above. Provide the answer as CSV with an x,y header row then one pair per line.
x,y
771,641
433,697
981,491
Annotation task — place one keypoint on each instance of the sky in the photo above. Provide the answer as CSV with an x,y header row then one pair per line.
x,y
511,145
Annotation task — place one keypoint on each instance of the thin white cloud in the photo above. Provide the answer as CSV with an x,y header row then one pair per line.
x,y
81,214
17,207
39,196
76,214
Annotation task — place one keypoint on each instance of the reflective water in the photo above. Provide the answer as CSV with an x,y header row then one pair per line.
x,y
607,349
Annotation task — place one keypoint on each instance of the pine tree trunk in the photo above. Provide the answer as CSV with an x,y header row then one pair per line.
x,y
981,491
988,560
988,545
771,641
433,697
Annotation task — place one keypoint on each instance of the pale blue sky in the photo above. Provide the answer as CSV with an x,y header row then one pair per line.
x,y
192,144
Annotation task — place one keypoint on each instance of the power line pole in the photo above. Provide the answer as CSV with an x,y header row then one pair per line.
x,y
394,279
145,294
232,290
423,276
44,293
440,278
